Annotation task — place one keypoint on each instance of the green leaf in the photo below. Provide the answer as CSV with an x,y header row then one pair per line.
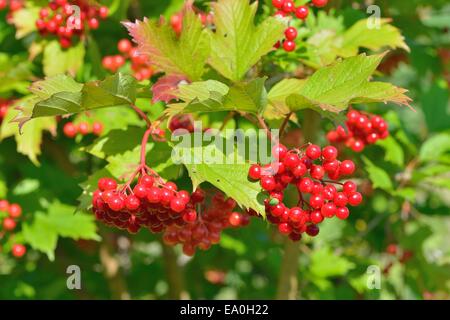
x,y
57,60
360,35
15,73
227,172
326,263
214,96
29,137
66,98
24,20
380,178
186,55
435,147
394,152
59,221
333,88
237,44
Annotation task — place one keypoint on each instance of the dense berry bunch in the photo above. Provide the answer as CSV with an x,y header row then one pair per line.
x,y
152,203
288,8
62,20
176,20
140,64
306,169
362,130
71,130
203,230
13,6
4,105
9,218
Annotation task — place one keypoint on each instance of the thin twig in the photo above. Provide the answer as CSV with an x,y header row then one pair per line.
x,y
142,115
284,124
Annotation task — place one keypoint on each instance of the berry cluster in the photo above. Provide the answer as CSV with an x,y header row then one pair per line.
x,y
4,105
204,230
62,20
287,8
12,5
152,203
176,20
71,130
140,64
11,213
362,130
306,169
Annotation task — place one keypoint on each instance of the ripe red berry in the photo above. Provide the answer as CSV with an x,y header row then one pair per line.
x,y
349,187
291,160
316,217
331,166
103,12
288,6
329,153
97,128
340,199
70,130
284,228
328,210
93,23
342,213
313,152
9,224
317,172
288,45
116,203
299,170
302,12
347,167
316,201
268,183
198,196
189,215
255,172
278,3
295,214
312,230
132,202
4,205
107,184
320,3
354,199
290,33
154,195
18,250
14,210
279,152
83,128
235,219
147,181
124,45
305,185
177,204
140,191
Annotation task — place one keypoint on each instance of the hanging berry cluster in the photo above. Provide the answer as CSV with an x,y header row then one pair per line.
x,y
62,20
203,230
71,130
176,20
139,63
4,105
13,6
287,8
362,130
318,198
9,216
184,121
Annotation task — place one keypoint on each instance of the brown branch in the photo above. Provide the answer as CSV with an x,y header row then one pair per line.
x,y
284,124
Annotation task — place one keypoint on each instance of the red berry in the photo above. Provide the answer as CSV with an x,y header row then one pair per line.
x,y
235,219
331,166
268,183
132,202
288,45
154,195
295,214
290,33
302,12
255,172
291,160
354,199
278,209
357,145
9,224
190,216
316,217
177,204
328,210
305,185
313,152
320,3
93,23
140,191
349,187
347,167
147,181
116,203
124,45
14,210
83,128
316,201
97,128
340,199
278,3
70,130
18,250
198,196
103,12
284,228
342,213
288,6
299,170
329,153
4,205
317,172
279,152
328,192
107,184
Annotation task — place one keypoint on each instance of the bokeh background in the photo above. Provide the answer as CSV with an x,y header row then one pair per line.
x,y
405,235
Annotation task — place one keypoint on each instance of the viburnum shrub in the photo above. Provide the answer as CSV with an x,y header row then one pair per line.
x,y
361,130
287,8
10,214
139,63
63,20
221,69
307,170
